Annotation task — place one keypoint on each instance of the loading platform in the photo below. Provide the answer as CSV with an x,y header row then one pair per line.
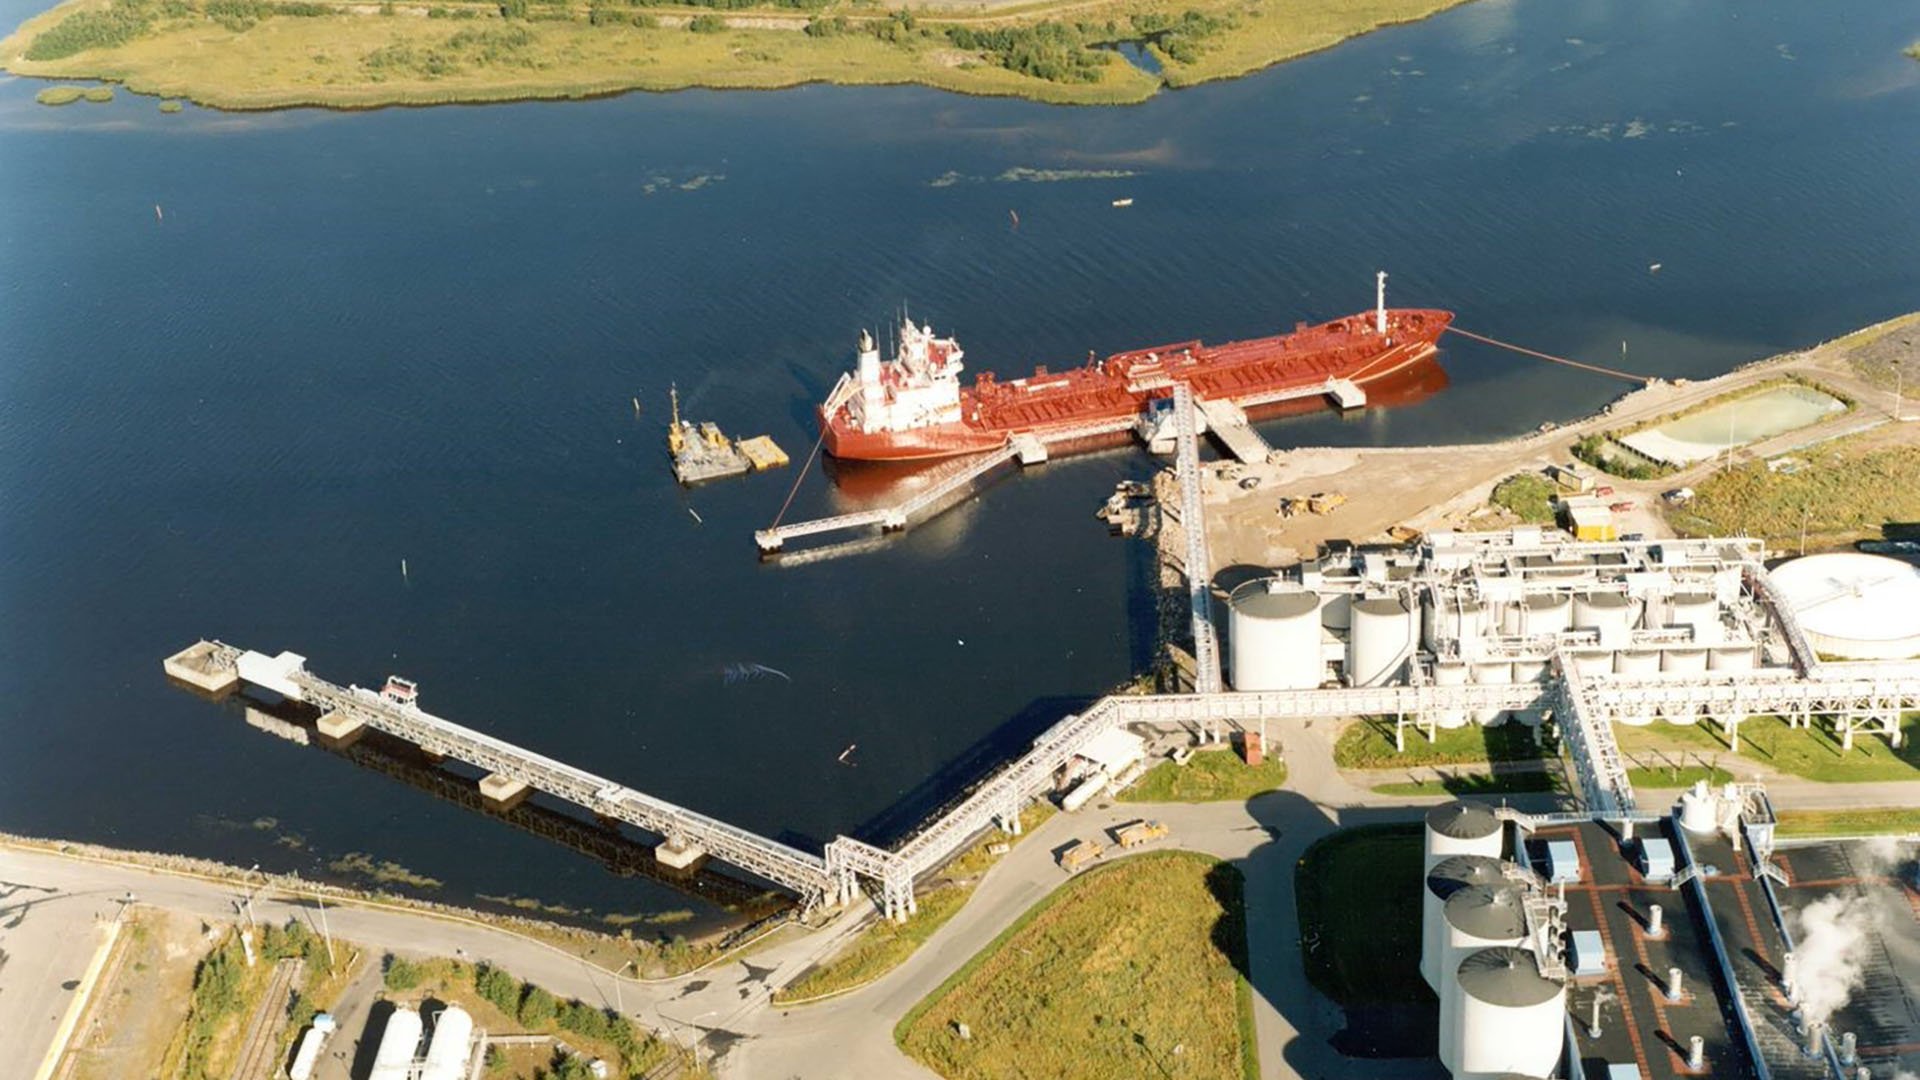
x,y
1228,424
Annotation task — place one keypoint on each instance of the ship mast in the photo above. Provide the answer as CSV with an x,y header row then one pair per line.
x,y
674,439
1380,302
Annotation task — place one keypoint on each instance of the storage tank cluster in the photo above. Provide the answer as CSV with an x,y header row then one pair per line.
x,y
448,1054
1499,1016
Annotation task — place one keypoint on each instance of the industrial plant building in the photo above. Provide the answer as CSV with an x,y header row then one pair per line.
x,y
1666,947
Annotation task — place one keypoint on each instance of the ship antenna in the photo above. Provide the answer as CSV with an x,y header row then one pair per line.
x,y
1380,302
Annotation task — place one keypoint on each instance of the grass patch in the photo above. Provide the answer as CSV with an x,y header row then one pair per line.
x,y
1843,490
1359,901
1510,783
1814,753
1209,776
884,944
1864,821
59,95
98,94
170,106
1680,776
1368,744
248,54
1106,977
1528,495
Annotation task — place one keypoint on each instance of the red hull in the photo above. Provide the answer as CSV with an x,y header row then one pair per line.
x,y
1249,373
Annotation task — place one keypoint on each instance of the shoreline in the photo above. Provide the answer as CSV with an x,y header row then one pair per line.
x,y
340,60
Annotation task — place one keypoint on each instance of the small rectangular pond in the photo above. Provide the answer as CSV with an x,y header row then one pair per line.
x,y
1742,420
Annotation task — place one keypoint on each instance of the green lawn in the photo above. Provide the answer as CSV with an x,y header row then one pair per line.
x,y
1133,969
1843,490
1210,776
1813,753
1368,744
885,945
1858,821
1359,899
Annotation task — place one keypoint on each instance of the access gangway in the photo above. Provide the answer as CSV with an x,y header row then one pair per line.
x,y
1193,522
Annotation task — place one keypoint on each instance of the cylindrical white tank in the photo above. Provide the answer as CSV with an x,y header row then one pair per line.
x,y
1273,637
1336,610
1496,673
1699,811
394,1059
450,1052
1381,641
1529,671
1610,613
1594,663
1510,1017
1731,658
1454,620
1546,613
1476,918
1450,673
1462,828
1636,662
1448,876
1683,661
1699,611
1510,622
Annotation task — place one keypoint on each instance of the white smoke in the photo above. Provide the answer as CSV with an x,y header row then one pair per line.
x,y
1835,936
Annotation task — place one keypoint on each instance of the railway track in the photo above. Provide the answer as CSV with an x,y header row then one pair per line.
x,y
263,1032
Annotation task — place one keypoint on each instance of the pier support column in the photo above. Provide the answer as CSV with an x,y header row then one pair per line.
x,y
679,854
337,729
503,792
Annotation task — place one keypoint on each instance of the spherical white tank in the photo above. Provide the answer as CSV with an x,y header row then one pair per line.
x,y
1731,658
1476,918
394,1059
1546,613
1447,877
1700,611
1381,641
1462,828
1609,613
1510,1019
1496,673
450,1051
1450,673
1273,637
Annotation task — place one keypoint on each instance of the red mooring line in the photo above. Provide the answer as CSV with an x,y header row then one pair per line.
x,y
1627,375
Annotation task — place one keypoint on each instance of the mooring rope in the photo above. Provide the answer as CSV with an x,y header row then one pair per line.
x,y
795,490
1627,375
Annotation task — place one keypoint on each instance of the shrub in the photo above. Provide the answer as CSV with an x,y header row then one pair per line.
x,y
402,974
497,987
537,1007
513,9
85,30
707,24
1527,495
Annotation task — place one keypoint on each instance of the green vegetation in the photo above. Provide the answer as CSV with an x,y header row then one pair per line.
x,y
885,945
98,94
170,106
349,55
1814,753
1368,744
1504,783
1913,50
1132,969
1359,901
225,991
1528,495
1209,776
1862,821
59,95
1601,452
1677,776
1843,490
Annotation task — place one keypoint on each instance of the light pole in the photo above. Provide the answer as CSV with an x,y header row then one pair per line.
x,y
619,1001
247,897
693,1044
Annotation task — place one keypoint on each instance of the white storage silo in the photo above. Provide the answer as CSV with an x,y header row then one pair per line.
x,y
1450,673
1609,613
1492,673
1462,828
1546,613
1594,663
1636,662
1477,918
1381,641
1273,637
1699,611
1529,671
1683,661
1455,620
1511,1018
1336,610
1730,658
1448,876
451,1050
401,1037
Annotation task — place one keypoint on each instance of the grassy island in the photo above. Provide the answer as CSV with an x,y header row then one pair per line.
x,y
257,54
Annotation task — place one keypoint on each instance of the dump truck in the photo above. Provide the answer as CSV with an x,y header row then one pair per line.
x,y
1080,854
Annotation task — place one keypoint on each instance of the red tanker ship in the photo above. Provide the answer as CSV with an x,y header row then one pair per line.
x,y
913,406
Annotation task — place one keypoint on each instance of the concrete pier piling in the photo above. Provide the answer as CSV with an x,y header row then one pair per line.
x,y
339,729
202,667
503,792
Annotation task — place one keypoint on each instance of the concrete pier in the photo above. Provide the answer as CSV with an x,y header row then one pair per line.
x,y
340,729
503,791
204,667
680,856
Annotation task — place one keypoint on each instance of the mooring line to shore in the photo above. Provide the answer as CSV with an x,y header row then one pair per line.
x,y
1627,375
801,475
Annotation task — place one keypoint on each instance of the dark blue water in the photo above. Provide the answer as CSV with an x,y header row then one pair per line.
x,y
416,334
